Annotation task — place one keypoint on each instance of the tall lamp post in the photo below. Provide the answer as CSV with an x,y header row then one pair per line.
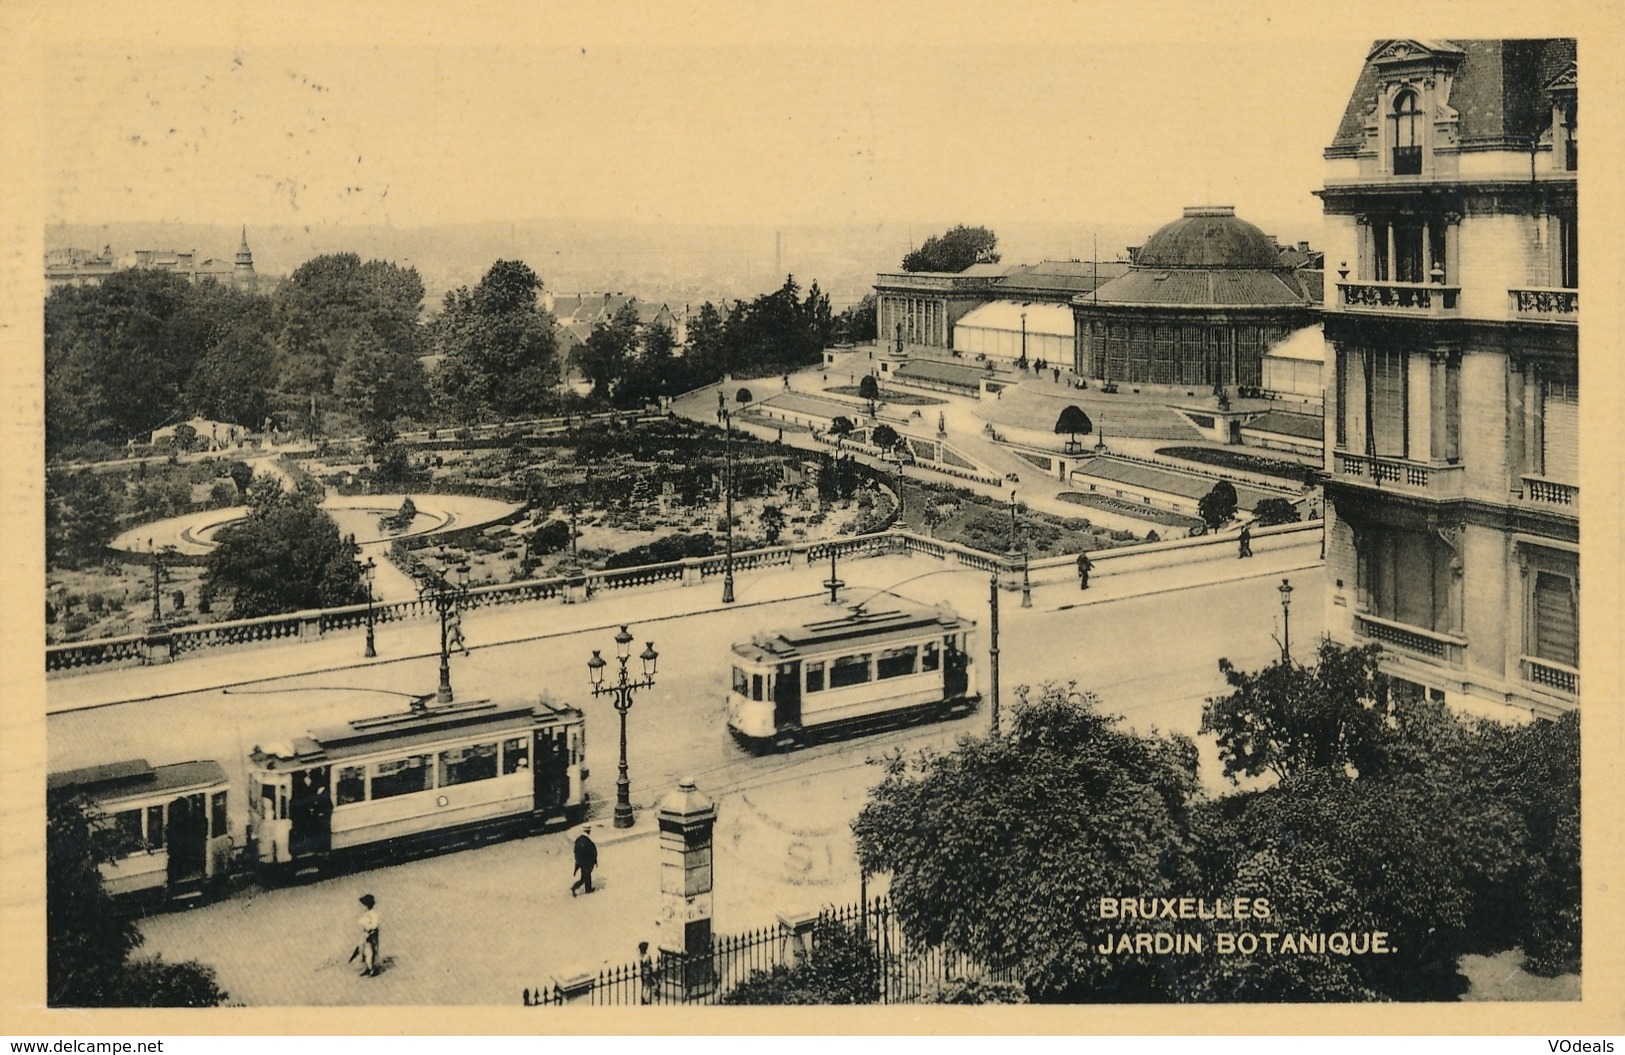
x,y
728,511
157,574
446,598
1286,620
367,571
621,692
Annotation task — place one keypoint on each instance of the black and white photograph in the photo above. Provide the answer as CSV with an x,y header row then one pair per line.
x,y
530,509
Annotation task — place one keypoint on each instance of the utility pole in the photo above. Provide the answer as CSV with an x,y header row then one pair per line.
x,y
993,649
728,510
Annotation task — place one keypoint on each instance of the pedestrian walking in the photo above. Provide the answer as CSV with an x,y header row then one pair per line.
x,y
646,972
586,860
368,949
1085,565
1246,541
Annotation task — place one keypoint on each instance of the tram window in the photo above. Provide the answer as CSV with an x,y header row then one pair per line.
x,y
849,670
741,683
755,686
217,815
895,662
464,765
400,777
127,831
515,755
155,827
930,656
352,785
815,676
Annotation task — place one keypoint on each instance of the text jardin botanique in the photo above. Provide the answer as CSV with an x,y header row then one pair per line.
x,y
1243,942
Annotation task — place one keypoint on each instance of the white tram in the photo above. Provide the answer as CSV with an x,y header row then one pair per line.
x,y
841,676
418,775
168,823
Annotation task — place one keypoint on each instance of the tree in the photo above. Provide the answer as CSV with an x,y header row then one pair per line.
x,y
1218,506
1272,511
500,348
841,426
1290,720
858,323
379,383
332,300
844,968
241,474
885,437
1074,422
1002,848
609,350
955,250
286,555
89,937
869,389
742,396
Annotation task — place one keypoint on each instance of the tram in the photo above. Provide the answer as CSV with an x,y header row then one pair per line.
x,y
838,677
428,774
169,823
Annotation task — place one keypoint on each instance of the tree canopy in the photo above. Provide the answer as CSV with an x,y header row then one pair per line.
x,y
499,348
1074,422
1271,511
1218,506
286,555
956,249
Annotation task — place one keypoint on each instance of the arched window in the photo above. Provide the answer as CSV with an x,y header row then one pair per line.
x,y
1407,134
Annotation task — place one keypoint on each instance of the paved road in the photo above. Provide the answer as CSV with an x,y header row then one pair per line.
x,y
477,926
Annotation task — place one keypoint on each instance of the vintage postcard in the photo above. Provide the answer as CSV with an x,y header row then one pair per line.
x,y
547,519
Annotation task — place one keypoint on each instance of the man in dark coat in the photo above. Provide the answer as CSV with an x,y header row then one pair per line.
x,y
1084,566
1246,541
586,860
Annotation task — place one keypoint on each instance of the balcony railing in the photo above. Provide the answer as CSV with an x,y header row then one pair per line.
x,y
1407,161
1414,298
1546,492
1413,640
1546,304
1549,675
1434,481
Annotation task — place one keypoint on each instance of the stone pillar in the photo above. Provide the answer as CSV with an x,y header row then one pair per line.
x,y
796,937
158,646
687,820
573,987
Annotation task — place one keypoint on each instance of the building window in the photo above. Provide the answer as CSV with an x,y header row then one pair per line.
x,y
1408,249
1406,125
1341,381
1385,399
1555,615
1568,249
1560,430
1407,576
1567,130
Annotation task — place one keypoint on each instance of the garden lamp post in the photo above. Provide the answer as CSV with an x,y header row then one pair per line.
x,y
1286,625
1026,580
620,692
1012,519
157,571
833,583
728,511
367,571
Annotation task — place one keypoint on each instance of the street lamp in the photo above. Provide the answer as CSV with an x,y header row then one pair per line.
x,y
728,511
1012,520
833,583
1286,626
446,599
621,693
1023,363
367,571
157,569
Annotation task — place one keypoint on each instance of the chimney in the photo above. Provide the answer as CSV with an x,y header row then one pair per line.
x,y
1303,247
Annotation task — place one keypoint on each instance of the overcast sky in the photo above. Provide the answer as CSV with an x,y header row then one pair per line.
x,y
787,114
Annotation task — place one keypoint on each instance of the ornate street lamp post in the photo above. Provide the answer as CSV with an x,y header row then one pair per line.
x,y
367,571
446,599
1012,520
728,511
621,692
1286,615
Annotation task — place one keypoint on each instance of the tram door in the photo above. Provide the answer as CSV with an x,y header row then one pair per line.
x,y
551,770
787,695
310,813
188,839
955,679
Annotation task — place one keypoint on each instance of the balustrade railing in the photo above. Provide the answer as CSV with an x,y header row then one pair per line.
x,y
1550,492
1412,639
1437,481
1412,297
1547,674
1546,303
104,653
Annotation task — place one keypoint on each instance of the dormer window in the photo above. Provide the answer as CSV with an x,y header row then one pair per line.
x,y
1568,124
1406,127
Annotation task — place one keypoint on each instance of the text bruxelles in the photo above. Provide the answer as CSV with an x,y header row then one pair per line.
x,y
1184,908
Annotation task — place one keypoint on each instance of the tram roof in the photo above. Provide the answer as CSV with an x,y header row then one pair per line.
x,y
135,777
824,635
410,728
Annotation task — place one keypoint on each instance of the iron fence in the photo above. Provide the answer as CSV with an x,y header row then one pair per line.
x,y
902,973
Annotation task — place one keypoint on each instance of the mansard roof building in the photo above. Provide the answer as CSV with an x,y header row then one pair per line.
x,y
1452,370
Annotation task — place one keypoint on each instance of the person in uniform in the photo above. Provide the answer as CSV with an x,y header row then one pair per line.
x,y
586,861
